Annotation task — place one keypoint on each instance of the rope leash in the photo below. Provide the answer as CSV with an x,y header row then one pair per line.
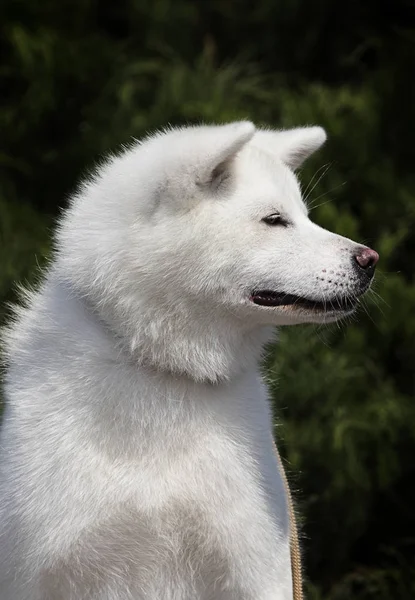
x,y
295,553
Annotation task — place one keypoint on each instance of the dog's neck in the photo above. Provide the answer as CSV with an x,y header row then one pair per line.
x,y
210,349
183,338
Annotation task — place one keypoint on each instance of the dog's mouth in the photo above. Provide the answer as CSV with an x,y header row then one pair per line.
x,y
273,299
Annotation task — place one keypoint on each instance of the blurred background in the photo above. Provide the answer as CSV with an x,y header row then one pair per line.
x,y
80,77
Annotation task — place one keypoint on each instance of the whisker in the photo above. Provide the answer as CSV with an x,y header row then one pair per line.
x,y
379,297
313,177
363,305
318,181
313,206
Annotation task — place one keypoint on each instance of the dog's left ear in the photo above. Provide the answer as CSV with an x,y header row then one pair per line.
x,y
221,144
292,146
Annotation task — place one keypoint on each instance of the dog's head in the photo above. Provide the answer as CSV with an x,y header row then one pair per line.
x,y
258,249
272,262
210,221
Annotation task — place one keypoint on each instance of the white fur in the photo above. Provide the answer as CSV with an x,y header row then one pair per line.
x,y
136,448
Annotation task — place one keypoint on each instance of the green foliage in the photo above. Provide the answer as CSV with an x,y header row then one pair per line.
x,y
25,241
82,77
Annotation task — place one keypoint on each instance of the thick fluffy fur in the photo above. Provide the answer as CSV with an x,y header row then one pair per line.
x,y
136,448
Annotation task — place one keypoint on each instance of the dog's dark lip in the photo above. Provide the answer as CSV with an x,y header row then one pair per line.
x,y
273,299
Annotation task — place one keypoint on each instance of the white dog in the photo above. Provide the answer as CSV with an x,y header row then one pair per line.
x,y
137,458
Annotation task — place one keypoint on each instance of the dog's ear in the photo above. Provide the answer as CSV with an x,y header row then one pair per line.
x,y
220,149
292,146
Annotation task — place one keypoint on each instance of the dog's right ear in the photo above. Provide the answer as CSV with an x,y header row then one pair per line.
x,y
219,151
291,146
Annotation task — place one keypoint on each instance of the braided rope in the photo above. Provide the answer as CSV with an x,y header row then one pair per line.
x,y
296,567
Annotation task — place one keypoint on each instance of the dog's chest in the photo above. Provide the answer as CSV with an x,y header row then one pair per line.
x,y
207,488
206,496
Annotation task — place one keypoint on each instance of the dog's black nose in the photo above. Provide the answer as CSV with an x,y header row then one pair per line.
x,y
366,260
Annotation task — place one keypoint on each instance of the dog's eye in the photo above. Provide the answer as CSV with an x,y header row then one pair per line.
x,y
275,219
